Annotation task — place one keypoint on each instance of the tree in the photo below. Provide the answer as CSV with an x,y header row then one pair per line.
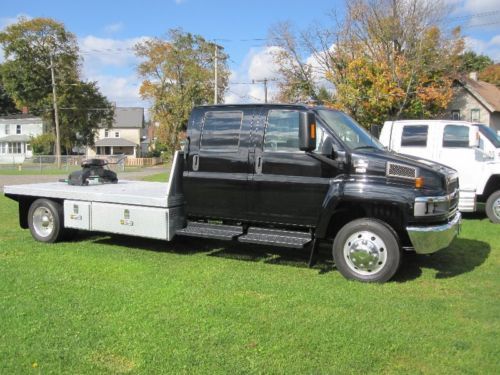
x,y
472,62
387,58
491,74
28,46
178,74
7,105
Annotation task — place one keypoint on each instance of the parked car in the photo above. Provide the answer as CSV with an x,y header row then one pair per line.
x,y
471,149
279,175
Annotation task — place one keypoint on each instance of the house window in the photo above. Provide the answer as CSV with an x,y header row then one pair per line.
x,y
474,115
15,148
3,148
7,129
106,133
117,134
455,114
18,129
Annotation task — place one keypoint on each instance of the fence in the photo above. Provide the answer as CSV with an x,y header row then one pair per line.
x,y
68,163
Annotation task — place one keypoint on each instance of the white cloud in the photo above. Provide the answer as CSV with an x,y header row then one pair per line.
x,y
107,51
113,27
258,64
490,47
123,90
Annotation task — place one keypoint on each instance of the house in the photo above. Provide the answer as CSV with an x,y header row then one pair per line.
x,y
123,137
16,132
476,101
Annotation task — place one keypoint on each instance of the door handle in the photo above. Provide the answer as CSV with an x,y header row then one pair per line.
x,y
258,165
196,162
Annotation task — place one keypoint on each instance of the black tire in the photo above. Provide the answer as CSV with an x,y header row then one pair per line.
x,y
367,250
45,220
493,207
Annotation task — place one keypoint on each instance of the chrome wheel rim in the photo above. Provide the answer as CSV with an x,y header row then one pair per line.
x,y
496,208
43,222
365,253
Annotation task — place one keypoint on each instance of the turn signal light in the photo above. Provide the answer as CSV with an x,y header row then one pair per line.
x,y
419,182
313,131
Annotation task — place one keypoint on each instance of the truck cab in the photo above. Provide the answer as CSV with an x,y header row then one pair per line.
x,y
271,174
471,149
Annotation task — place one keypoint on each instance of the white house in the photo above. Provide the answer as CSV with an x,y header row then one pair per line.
x,y
16,132
123,137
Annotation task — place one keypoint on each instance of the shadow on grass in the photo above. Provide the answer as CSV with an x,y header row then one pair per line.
x,y
463,256
221,249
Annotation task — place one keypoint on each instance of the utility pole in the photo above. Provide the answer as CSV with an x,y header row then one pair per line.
x,y
56,113
264,81
216,63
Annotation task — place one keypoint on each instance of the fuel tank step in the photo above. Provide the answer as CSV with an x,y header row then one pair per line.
x,y
276,237
208,230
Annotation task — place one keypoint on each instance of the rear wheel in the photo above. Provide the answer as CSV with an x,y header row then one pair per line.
x,y
493,207
45,220
367,250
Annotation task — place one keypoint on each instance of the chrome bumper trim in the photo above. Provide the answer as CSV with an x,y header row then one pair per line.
x,y
429,239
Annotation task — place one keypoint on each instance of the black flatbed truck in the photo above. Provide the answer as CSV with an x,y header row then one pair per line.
x,y
273,174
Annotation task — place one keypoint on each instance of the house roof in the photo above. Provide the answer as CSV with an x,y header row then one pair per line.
x,y
19,116
114,142
486,93
16,138
128,117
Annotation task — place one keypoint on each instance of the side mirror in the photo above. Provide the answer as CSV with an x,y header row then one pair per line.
x,y
474,137
307,131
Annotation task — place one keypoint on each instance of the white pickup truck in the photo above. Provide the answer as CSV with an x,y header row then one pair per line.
x,y
469,148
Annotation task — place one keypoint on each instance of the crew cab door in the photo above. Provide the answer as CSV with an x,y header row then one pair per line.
x,y
216,172
288,186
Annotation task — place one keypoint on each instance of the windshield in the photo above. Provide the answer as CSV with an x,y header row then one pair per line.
x,y
490,134
348,130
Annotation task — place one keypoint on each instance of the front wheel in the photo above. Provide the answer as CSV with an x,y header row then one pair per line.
x,y
45,220
493,207
367,250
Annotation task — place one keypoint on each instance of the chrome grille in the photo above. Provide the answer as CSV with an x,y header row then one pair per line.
x,y
401,171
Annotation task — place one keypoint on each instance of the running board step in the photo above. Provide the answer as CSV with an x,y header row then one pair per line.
x,y
276,237
207,230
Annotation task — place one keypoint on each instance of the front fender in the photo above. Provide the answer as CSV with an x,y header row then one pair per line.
x,y
363,192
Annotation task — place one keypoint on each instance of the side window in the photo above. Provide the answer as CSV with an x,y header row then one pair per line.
x,y
282,132
221,131
414,136
456,136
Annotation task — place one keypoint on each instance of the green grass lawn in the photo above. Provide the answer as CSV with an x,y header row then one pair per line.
x,y
159,177
112,304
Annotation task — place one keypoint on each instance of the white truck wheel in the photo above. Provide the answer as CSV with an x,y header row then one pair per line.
x,y
493,207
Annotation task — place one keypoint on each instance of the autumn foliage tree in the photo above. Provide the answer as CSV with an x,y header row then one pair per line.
x,y
386,58
178,73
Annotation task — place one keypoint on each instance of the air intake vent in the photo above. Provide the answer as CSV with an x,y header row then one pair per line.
x,y
401,171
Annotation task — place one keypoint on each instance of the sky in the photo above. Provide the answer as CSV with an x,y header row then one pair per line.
x,y
107,30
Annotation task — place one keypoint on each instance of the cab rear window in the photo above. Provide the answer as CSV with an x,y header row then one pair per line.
x,y
221,130
414,136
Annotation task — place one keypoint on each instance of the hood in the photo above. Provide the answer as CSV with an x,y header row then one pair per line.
x,y
378,162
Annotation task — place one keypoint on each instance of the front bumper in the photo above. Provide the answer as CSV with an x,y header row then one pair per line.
x,y
429,239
